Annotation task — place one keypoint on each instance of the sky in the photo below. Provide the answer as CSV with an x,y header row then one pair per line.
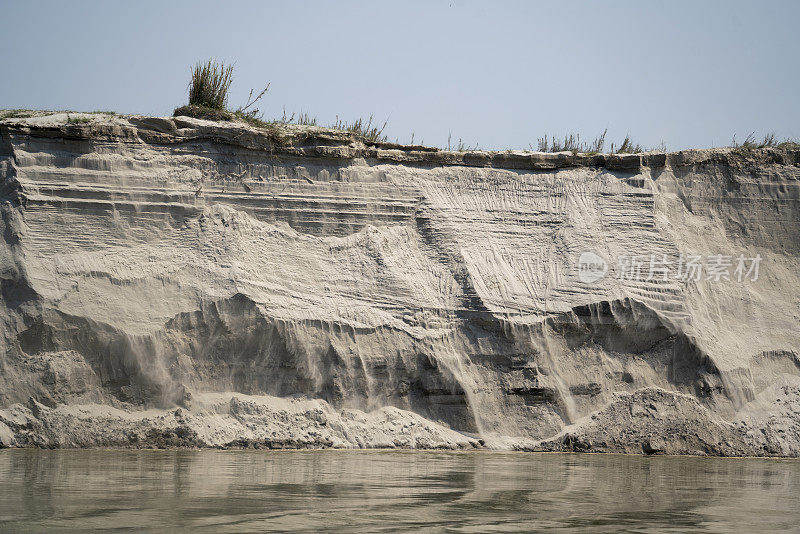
x,y
494,74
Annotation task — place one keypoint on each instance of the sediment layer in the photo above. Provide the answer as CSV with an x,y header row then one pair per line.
x,y
182,282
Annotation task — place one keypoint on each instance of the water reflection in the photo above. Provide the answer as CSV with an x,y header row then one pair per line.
x,y
236,491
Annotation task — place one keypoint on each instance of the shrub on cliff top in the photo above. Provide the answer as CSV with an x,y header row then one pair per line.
x,y
366,129
573,143
210,84
208,99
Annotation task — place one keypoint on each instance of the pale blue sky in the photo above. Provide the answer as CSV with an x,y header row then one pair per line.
x,y
500,74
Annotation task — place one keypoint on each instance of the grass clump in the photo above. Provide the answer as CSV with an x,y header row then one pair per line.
x,y
208,99
208,96
628,147
302,118
751,142
210,84
256,119
770,140
461,146
202,112
572,143
366,129
77,120
16,114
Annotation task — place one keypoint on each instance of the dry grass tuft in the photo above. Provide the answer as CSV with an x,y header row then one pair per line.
x,y
210,84
572,143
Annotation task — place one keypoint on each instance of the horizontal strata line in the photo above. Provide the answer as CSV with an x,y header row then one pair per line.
x,y
347,193
240,200
161,175
35,197
141,207
47,175
41,199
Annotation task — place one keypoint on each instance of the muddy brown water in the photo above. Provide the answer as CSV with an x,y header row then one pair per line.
x,y
380,491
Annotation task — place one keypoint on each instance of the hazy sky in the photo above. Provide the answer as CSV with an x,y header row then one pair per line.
x,y
499,74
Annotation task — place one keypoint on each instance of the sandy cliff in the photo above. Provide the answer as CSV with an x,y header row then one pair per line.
x,y
175,281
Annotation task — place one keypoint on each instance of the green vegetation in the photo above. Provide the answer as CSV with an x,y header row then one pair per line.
x,y
769,140
208,99
628,147
751,142
16,114
572,143
373,132
302,118
77,120
201,112
366,129
210,84
28,113
461,146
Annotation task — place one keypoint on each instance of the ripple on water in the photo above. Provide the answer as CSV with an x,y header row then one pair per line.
x,y
386,491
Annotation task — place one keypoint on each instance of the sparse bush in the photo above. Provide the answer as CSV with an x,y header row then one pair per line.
x,y
627,147
208,99
460,147
572,143
553,144
367,130
789,144
210,84
244,111
599,143
302,118
749,141
16,114
77,120
769,141
202,112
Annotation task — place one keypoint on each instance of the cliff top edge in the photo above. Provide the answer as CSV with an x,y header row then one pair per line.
x,y
326,143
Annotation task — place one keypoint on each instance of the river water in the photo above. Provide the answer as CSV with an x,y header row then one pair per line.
x,y
377,491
